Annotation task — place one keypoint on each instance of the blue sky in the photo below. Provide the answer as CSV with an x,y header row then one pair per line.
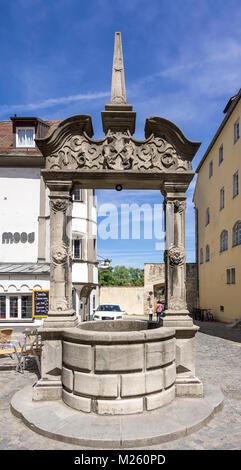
x,y
182,61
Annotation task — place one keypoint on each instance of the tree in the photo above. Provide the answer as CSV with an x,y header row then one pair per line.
x,y
121,276
106,277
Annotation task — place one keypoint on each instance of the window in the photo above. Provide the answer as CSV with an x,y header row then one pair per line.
x,y
237,234
26,306
201,256
2,307
16,306
77,196
76,249
13,307
25,137
236,131
224,240
207,253
235,183
221,198
207,216
220,154
211,169
231,276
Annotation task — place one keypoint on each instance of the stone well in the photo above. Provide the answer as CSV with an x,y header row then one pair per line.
x,y
118,367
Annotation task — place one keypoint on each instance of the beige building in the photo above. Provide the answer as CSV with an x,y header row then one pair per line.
x,y
218,219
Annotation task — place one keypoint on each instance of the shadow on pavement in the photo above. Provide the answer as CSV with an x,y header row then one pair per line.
x,y
219,329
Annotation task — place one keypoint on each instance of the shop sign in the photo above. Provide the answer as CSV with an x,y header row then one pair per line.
x,y
17,237
41,302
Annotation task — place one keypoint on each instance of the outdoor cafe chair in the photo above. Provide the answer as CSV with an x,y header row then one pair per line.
x,y
31,347
8,347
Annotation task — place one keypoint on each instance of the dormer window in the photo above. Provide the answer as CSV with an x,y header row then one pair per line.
x,y
25,137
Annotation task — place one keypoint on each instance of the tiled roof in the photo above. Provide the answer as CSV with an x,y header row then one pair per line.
x,y
6,139
24,268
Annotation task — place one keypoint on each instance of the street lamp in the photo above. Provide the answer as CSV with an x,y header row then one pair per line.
x,y
105,264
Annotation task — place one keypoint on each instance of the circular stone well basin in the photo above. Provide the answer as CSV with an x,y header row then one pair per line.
x,y
118,367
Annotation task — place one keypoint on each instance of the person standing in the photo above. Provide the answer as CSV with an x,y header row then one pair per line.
x,y
159,310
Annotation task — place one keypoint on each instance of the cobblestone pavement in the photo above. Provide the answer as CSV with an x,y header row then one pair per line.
x,y
217,362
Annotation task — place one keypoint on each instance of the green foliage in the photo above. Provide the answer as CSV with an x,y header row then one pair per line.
x,y
121,276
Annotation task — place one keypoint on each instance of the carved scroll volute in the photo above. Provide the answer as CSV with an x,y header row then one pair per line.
x,y
118,151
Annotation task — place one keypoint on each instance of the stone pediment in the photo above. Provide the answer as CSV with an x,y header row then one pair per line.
x,y
70,147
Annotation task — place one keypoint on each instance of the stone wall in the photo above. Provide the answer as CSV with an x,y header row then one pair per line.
x,y
154,273
154,276
118,368
130,298
191,285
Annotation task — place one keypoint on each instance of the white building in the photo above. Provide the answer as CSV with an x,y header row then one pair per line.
x,y
24,227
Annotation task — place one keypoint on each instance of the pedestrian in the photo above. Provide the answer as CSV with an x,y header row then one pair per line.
x,y
150,311
159,310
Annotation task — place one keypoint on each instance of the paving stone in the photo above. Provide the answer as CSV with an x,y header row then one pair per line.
x,y
217,362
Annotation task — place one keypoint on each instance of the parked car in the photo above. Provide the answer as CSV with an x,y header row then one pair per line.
x,y
108,312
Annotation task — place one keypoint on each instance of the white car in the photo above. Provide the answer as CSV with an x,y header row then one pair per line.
x,y
108,312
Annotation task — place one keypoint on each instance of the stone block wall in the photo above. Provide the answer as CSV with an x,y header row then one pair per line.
x,y
191,285
119,372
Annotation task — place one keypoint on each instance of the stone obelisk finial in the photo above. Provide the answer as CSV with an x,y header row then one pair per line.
x,y
118,115
118,89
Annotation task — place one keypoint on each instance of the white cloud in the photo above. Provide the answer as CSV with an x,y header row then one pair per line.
x,y
51,102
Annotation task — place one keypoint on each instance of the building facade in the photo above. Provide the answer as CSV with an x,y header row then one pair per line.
x,y
218,219
25,226
154,281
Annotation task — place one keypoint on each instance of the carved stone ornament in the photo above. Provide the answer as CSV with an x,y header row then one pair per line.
x,y
61,304
176,303
176,256
59,205
118,151
179,206
59,254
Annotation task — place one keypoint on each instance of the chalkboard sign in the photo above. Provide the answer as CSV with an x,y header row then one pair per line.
x,y
40,303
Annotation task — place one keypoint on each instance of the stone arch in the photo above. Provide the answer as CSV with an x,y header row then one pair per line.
x,y
12,289
24,288
224,240
236,233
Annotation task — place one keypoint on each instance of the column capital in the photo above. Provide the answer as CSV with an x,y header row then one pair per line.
x,y
60,187
174,190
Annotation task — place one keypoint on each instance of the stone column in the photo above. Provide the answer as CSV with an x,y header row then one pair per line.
x,y
61,314
175,255
176,313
